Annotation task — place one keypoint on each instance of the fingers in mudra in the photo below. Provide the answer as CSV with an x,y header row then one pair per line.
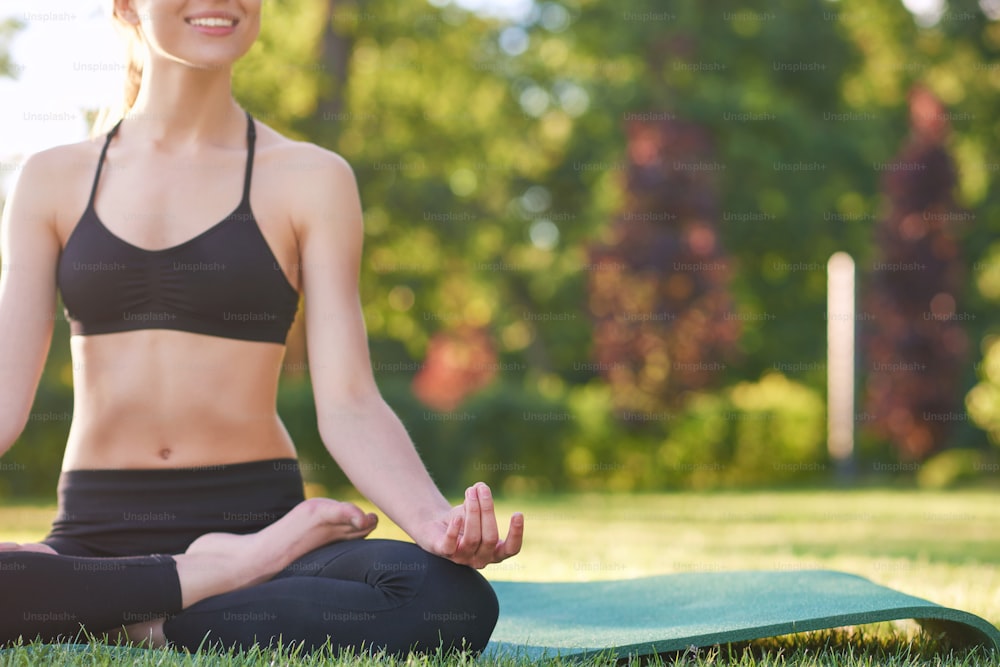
x,y
473,536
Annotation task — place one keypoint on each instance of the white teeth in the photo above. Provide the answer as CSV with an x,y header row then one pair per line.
x,y
213,22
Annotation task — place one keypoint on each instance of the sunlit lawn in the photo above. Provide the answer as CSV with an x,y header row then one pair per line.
x,y
943,546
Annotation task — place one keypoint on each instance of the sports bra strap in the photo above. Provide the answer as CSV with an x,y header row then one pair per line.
x,y
100,162
251,140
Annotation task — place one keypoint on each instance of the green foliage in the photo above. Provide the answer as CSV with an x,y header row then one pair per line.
x,y
508,435
504,436
297,409
31,467
953,467
983,400
751,433
522,440
278,80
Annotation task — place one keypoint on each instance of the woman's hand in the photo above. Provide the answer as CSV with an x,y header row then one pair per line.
x,y
468,533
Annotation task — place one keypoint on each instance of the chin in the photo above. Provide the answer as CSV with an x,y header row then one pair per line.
x,y
198,54
211,61
213,64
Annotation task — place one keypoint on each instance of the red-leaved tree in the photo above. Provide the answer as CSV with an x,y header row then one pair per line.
x,y
658,292
915,343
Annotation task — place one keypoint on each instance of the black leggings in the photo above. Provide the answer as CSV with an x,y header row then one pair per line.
x,y
115,529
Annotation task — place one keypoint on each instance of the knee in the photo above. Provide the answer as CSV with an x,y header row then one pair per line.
x,y
463,608
453,606
407,570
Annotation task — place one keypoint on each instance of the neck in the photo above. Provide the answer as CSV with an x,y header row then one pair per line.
x,y
178,105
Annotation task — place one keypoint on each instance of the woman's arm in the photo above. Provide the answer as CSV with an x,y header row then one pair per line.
x,y
359,429
29,249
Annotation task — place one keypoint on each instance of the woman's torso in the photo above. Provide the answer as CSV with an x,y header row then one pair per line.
x,y
155,398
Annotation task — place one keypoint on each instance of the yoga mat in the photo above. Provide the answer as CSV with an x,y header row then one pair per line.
x,y
673,612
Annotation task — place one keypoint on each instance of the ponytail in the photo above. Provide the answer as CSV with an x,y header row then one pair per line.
x,y
134,49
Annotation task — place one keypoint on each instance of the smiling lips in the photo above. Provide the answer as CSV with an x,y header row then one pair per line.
x,y
213,25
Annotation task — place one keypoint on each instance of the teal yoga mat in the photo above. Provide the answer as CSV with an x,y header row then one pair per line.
x,y
673,612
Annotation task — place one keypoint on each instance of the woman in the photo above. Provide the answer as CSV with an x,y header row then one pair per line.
x,y
182,518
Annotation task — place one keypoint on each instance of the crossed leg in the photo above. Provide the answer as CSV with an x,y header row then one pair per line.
x,y
368,594
51,596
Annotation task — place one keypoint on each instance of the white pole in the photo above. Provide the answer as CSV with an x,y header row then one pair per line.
x,y
840,358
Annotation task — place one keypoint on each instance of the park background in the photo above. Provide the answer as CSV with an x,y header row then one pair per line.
x,y
595,275
597,234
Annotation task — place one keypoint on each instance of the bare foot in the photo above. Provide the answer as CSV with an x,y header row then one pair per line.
x,y
217,563
30,546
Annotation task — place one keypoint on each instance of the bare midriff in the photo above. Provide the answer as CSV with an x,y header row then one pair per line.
x,y
156,398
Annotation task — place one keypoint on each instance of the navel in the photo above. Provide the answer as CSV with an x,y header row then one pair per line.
x,y
165,453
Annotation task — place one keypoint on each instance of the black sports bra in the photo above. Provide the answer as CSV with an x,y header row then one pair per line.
x,y
223,282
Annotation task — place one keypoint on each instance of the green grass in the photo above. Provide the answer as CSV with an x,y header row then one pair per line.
x,y
943,546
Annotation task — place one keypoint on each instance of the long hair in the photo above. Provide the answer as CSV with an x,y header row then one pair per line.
x,y
134,51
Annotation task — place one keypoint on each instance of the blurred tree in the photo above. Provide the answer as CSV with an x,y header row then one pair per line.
x,y
664,320
956,56
916,344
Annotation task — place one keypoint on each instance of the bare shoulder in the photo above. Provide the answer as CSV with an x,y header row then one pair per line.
x,y
66,158
317,186
54,183
300,161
